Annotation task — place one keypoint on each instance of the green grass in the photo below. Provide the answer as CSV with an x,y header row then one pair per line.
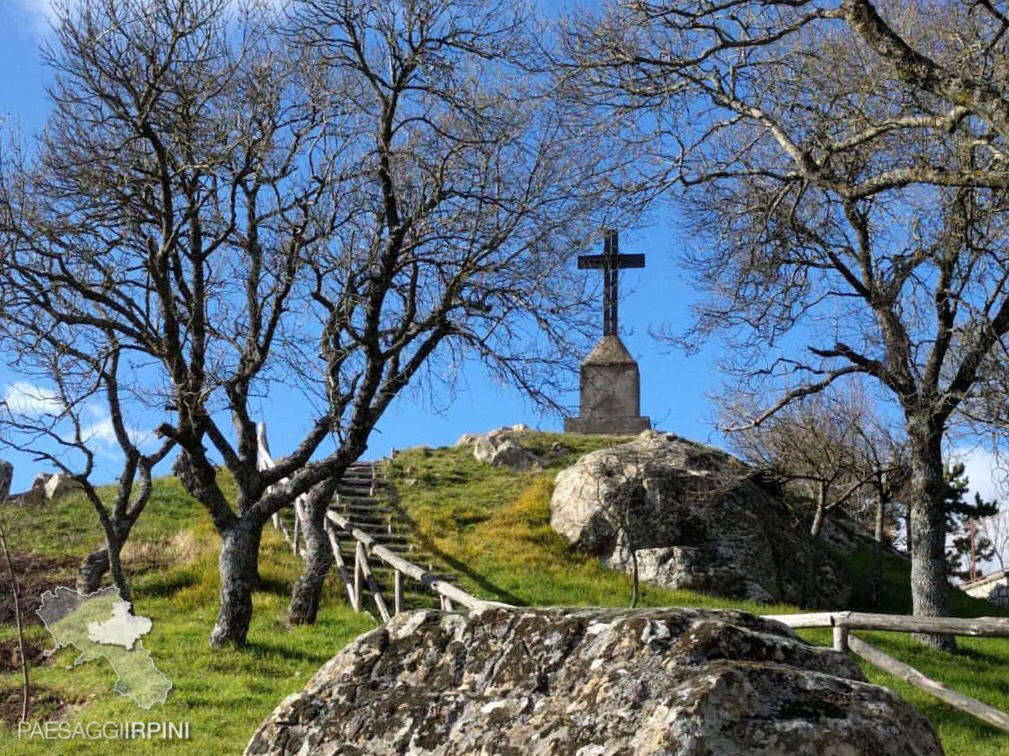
x,y
224,695
977,670
495,525
489,525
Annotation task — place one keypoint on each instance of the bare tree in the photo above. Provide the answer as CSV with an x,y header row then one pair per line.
x,y
844,170
836,449
379,193
886,468
77,413
6,475
996,530
626,504
811,446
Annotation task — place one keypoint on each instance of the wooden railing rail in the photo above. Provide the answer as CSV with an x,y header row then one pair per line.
x,y
992,627
910,675
843,622
447,592
361,577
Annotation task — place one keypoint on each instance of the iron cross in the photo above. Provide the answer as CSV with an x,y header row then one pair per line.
x,y
610,261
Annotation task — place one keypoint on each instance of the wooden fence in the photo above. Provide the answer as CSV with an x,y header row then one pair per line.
x,y
361,576
843,622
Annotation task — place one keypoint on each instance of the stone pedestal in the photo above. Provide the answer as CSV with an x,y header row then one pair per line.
x,y
610,392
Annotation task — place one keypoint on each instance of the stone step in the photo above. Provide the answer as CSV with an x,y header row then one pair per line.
x,y
371,510
361,484
373,519
386,513
380,505
383,537
360,500
384,571
401,548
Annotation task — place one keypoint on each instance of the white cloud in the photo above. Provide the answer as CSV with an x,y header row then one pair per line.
x,y
35,16
23,398
99,432
982,471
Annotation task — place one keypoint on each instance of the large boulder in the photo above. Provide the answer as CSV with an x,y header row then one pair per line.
x,y
694,517
592,682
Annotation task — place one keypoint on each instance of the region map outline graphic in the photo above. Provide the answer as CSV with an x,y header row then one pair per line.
x,y
99,625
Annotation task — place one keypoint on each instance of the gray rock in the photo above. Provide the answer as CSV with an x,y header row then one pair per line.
x,y
48,486
466,439
59,485
6,476
842,533
39,483
501,448
591,681
697,519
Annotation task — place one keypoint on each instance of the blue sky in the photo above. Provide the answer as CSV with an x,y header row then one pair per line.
x,y
673,385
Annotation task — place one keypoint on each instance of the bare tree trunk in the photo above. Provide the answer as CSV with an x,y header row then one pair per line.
x,y
95,565
17,619
930,593
319,559
821,505
877,555
115,548
238,566
634,578
91,571
6,474
907,531
257,539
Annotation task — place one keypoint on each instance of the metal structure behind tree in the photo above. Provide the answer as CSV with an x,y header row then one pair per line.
x,y
610,262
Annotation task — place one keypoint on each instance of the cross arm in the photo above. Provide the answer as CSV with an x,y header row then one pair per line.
x,y
602,262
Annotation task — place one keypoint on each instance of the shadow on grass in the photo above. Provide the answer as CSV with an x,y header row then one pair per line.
x,y
500,594
273,585
278,650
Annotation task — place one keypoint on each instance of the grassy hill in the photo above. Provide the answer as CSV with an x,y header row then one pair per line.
x,y
489,525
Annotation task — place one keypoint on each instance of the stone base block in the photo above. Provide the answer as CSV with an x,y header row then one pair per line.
x,y
620,426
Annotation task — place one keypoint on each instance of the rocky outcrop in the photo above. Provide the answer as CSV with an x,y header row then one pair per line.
x,y
502,448
6,476
695,518
58,485
592,682
47,487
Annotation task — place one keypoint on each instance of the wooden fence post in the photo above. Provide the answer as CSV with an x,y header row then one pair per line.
x,y
341,567
358,556
841,638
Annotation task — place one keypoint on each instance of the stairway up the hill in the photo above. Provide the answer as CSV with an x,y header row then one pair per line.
x,y
368,500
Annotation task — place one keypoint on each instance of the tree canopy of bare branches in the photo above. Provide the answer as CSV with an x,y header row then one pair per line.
x,y
842,164
339,199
